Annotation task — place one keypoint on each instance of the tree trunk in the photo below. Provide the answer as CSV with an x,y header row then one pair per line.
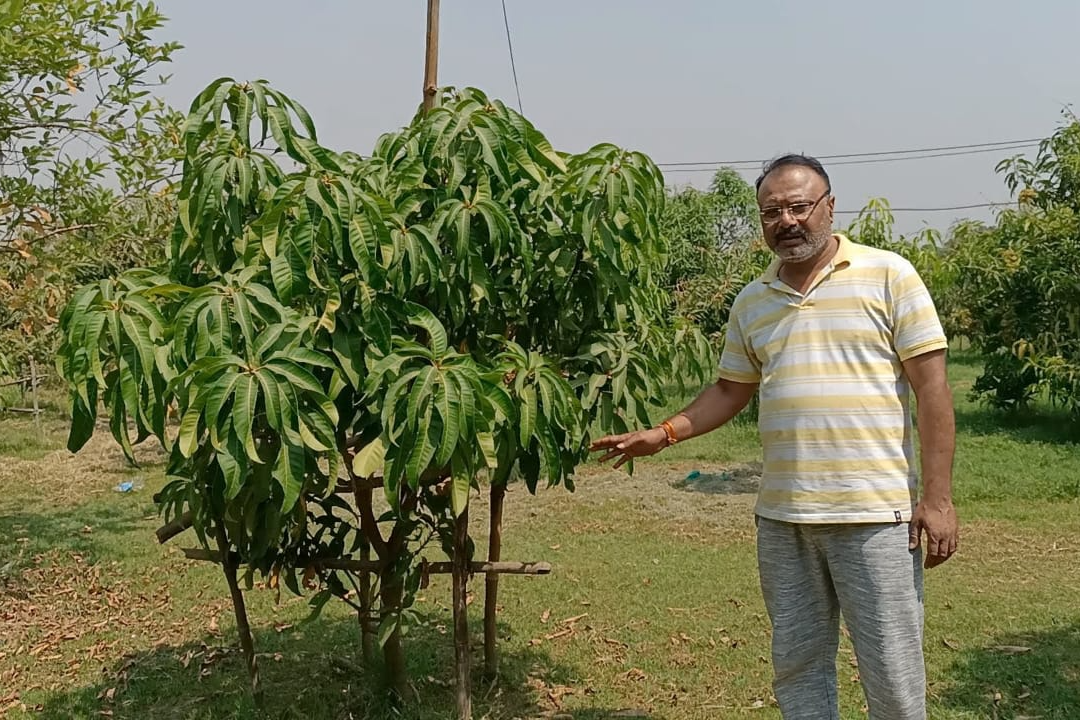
x,y
461,615
491,591
367,635
242,626
397,678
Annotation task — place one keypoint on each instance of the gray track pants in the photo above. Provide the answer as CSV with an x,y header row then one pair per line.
x,y
812,573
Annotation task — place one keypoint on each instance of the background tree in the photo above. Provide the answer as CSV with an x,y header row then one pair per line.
x,y
1019,280
86,153
716,248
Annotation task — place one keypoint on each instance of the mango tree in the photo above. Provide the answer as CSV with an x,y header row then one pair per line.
x,y
463,307
1019,280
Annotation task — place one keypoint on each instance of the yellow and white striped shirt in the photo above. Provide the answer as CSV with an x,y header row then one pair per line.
x,y
834,419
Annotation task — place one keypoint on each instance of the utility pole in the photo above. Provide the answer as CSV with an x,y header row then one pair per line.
x,y
431,58
460,558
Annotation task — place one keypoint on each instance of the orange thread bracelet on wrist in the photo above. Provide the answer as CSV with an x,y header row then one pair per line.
x,y
669,430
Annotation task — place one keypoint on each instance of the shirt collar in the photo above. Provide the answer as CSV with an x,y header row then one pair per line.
x,y
844,255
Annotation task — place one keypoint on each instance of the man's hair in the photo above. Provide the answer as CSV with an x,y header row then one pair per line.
x,y
793,160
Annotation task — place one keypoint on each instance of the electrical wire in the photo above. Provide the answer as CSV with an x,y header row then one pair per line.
x,y
513,66
878,156
928,209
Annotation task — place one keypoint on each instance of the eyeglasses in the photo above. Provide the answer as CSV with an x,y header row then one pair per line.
x,y
799,211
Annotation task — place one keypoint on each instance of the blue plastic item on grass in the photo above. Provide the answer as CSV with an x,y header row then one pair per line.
x,y
129,486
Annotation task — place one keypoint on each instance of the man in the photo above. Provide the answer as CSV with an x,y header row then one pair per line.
x,y
834,335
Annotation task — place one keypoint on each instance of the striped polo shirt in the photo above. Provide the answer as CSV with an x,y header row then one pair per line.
x,y
834,417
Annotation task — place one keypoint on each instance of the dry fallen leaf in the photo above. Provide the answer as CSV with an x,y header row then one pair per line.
x,y
1011,649
951,644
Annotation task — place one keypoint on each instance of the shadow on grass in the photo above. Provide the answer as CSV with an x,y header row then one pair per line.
x,y
21,437
315,672
87,530
1018,675
740,480
1037,425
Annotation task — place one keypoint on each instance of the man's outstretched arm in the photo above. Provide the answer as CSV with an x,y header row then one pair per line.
x,y
713,407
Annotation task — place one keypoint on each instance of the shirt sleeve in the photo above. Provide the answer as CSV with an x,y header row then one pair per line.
x,y
738,362
916,326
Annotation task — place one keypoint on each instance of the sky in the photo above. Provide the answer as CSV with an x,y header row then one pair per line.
x,y
681,80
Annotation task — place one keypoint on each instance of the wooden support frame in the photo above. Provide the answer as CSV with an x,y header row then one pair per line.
x,y
376,558
504,567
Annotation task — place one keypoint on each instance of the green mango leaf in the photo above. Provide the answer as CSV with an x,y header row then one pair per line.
x,y
289,472
233,463
282,274
271,398
304,356
423,451
486,442
243,414
288,371
528,414
218,393
188,437
426,320
369,459
316,604
83,416
460,484
448,408
389,623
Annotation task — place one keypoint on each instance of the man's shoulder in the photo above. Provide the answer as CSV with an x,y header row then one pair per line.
x,y
874,258
749,292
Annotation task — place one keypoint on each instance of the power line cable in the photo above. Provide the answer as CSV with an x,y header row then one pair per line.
x,y
882,155
864,161
513,66
929,209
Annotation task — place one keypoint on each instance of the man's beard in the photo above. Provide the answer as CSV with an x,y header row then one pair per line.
x,y
811,245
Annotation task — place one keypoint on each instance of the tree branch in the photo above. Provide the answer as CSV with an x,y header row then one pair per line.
x,y
6,245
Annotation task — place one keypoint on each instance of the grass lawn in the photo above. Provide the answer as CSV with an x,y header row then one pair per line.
x,y
653,608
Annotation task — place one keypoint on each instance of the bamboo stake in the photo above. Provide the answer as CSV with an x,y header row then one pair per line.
x,y
461,616
491,589
33,389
